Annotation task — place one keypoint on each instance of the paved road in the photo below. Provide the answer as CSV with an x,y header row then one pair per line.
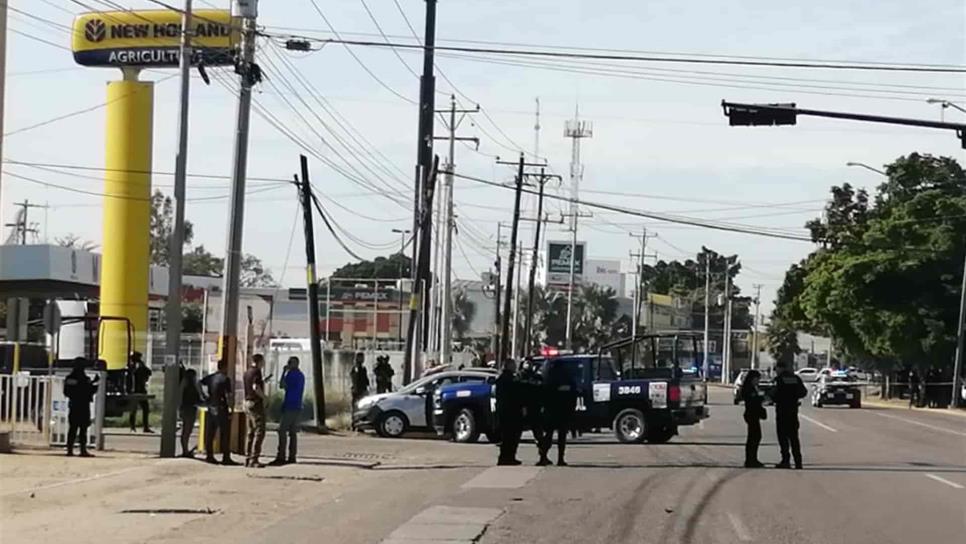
x,y
872,475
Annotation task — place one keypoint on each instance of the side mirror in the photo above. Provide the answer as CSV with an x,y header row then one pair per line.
x,y
421,390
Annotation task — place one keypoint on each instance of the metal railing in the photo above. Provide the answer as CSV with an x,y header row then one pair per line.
x,y
34,410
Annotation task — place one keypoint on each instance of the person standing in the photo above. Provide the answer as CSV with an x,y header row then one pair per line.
x,y
360,379
384,373
140,374
561,394
79,389
509,413
293,382
190,399
219,403
531,387
754,414
786,394
254,385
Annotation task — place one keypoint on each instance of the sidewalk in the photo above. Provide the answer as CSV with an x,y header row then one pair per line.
x,y
896,404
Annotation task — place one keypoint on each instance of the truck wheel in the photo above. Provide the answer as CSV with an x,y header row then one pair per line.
x,y
465,429
660,435
392,424
629,426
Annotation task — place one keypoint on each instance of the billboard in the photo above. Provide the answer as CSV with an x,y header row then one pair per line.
x,y
558,262
151,38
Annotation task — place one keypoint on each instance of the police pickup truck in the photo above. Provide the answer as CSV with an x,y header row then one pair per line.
x,y
643,388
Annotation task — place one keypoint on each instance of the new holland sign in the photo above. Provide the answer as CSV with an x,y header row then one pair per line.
x,y
151,38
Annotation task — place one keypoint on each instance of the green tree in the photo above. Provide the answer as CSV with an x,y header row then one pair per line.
x,y
200,262
192,317
595,318
395,266
162,224
782,341
886,283
254,273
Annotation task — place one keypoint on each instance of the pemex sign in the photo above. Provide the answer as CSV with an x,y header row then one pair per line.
x,y
151,38
558,262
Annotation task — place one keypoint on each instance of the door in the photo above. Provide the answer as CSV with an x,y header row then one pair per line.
x,y
419,408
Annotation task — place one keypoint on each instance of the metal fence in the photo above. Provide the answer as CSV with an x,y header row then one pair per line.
x,y
34,410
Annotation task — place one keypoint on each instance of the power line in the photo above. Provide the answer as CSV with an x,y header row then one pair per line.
x,y
953,69
35,38
383,34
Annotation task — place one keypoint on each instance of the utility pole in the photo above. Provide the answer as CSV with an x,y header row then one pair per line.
x,y
415,336
534,255
402,249
726,341
707,308
3,85
312,290
512,262
424,159
640,289
448,223
576,130
249,75
496,311
172,339
961,329
22,226
754,339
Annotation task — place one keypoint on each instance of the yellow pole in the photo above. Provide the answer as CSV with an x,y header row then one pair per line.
x,y
127,217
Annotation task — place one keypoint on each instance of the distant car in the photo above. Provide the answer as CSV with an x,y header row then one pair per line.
x,y
764,387
393,414
808,374
837,387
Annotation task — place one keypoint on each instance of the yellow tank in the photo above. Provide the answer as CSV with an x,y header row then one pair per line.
x,y
127,217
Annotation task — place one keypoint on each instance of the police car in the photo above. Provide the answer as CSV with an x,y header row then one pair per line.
x,y
643,388
837,387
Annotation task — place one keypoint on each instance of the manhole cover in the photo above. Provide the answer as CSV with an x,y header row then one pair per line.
x,y
366,456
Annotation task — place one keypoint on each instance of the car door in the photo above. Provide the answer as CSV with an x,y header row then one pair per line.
x,y
419,405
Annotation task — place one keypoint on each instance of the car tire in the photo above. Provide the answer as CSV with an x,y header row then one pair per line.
x,y
392,424
464,427
629,426
661,435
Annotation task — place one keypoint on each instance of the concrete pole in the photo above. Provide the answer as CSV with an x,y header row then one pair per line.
x,y
726,340
248,11
958,362
176,246
707,309
754,339
3,85
448,224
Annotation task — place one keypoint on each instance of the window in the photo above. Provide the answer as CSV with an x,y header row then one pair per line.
x,y
603,369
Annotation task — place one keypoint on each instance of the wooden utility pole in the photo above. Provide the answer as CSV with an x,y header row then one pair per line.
x,y
312,290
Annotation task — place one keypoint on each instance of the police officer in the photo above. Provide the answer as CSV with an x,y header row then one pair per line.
x,y
220,394
754,413
560,391
787,392
384,373
139,375
79,389
508,411
531,386
360,379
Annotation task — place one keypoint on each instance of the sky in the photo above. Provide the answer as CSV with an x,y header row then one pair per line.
x,y
660,142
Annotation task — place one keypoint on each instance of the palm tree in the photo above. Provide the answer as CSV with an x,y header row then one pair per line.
x,y
463,311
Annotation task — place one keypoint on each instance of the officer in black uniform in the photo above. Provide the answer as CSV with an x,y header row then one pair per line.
x,y
509,413
560,390
79,389
531,388
786,394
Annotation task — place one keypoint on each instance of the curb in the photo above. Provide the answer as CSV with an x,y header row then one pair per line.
x,y
897,406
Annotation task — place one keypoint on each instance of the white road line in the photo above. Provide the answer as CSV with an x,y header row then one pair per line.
x,y
739,527
954,485
86,479
926,425
820,424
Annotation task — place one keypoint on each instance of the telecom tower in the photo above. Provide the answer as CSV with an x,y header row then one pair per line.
x,y
576,130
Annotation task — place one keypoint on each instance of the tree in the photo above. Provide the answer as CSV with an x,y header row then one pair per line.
x,y
71,240
395,266
192,317
200,262
595,318
463,311
782,341
162,225
254,273
886,283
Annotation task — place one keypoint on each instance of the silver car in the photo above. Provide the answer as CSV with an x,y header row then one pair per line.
x,y
410,408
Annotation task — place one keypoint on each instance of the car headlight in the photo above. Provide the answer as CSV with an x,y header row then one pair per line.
x,y
366,403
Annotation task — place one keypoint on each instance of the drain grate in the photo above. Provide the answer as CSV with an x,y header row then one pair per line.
x,y
183,511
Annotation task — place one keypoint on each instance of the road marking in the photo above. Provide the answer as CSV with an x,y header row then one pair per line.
x,y
503,477
739,527
945,481
926,425
820,424
86,478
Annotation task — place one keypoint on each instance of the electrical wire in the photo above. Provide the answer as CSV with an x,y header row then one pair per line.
x,y
35,38
375,22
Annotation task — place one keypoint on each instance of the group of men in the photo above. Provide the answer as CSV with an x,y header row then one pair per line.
x,y
359,376
216,392
545,406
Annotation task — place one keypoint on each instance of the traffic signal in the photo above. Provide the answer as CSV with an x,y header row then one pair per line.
x,y
759,114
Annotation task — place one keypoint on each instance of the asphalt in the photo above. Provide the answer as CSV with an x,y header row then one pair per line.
x,y
871,475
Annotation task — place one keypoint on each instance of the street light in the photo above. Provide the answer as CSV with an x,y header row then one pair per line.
x,y
867,167
945,104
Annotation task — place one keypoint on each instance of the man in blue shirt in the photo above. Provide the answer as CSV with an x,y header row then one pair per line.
x,y
293,382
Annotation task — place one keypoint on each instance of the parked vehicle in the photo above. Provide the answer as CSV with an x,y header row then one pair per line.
x,y
765,386
808,374
837,388
635,386
393,414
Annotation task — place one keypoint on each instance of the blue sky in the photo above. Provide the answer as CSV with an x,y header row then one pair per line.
x,y
664,144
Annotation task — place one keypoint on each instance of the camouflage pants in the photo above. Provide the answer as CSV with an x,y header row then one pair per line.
x,y
256,429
